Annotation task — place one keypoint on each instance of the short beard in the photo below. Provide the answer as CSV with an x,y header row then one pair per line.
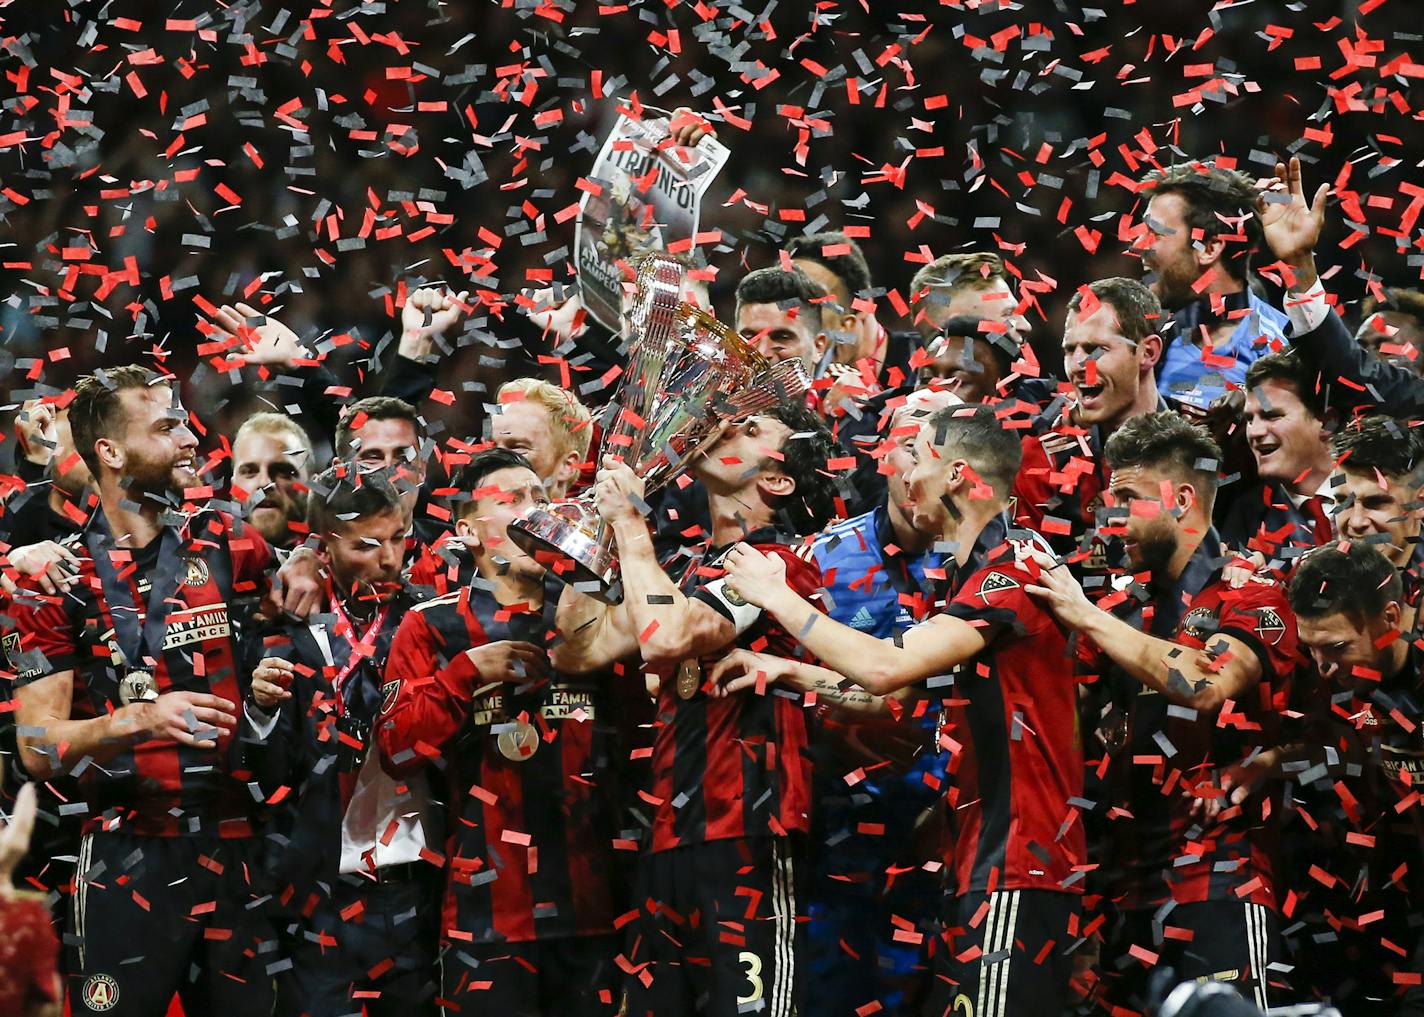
x,y
1174,293
152,479
1156,552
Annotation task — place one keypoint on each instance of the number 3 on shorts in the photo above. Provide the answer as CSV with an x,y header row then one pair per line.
x,y
753,963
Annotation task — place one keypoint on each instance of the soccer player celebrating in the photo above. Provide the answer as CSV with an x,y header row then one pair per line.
x,y
999,664
1111,347
1198,674
346,838
530,897
130,681
271,468
1379,492
719,886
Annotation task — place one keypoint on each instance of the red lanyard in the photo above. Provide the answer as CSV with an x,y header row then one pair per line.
x,y
358,654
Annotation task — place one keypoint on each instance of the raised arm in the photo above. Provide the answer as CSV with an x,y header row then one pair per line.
x,y
1202,679
880,666
668,625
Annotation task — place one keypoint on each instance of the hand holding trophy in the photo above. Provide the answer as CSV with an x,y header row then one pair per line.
x,y
687,374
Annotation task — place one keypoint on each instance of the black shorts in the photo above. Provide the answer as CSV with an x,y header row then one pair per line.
x,y
717,930
577,976
151,916
1004,953
1223,941
367,944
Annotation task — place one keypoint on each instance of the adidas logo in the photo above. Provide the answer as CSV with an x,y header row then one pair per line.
x,y
863,619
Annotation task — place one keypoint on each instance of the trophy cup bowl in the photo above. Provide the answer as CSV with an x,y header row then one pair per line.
x,y
687,374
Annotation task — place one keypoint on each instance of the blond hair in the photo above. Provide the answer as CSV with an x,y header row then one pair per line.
x,y
274,424
569,419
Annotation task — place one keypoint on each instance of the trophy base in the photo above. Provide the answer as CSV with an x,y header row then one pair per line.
x,y
570,531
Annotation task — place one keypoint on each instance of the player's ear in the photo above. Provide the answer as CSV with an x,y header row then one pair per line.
x,y
775,483
568,469
1186,497
1211,252
465,530
111,453
1151,347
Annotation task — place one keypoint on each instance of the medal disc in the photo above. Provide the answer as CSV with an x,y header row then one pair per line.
x,y
689,678
137,687
518,742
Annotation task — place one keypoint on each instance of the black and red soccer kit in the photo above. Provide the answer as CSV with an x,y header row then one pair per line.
x,y
718,888
1199,898
1016,855
531,893
168,861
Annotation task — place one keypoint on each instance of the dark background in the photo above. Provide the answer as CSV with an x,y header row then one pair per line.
x,y
1020,130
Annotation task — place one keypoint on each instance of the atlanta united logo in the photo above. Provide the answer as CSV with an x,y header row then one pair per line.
x,y
1199,622
195,572
100,993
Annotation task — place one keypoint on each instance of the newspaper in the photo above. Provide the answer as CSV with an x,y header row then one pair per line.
x,y
646,195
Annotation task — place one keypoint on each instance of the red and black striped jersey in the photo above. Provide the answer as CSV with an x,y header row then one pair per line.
x,y
1010,724
735,766
205,577
532,810
1160,851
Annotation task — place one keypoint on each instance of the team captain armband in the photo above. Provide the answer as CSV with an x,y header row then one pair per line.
x,y
729,602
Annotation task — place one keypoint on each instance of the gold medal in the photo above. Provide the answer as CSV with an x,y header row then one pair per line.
x,y
137,687
518,741
689,678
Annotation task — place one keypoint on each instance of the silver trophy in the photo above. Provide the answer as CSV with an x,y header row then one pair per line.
x,y
687,374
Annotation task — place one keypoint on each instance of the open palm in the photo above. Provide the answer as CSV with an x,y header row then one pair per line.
x,y
1292,227
268,340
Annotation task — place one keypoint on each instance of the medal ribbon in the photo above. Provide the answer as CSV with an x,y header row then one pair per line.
x,y
120,594
357,654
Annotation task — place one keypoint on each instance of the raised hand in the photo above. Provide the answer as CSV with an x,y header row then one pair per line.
x,y
268,341
298,587
688,127
35,427
617,491
429,312
1291,225
15,835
